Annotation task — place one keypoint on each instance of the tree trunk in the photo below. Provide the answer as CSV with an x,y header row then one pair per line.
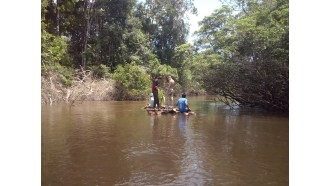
x,y
88,6
57,19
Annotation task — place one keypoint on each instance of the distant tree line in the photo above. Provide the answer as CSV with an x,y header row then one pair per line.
x,y
241,53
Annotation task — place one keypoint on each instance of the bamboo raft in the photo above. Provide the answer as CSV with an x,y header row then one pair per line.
x,y
163,110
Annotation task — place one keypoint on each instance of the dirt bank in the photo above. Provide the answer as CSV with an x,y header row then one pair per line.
x,y
87,89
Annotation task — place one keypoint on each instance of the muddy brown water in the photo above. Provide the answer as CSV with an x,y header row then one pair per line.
x,y
118,143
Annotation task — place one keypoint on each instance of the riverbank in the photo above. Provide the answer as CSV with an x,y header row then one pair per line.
x,y
87,89
83,86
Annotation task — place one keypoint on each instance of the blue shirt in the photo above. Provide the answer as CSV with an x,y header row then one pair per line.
x,y
182,104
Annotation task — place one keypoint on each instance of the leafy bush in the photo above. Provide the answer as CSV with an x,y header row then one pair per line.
x,y
133,84
53,48
53,54
100,71
65,73
157,69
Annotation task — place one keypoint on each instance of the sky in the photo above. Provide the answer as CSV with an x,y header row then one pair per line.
x,y
204,8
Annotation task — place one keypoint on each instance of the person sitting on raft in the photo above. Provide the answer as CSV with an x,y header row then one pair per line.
x,y
183,104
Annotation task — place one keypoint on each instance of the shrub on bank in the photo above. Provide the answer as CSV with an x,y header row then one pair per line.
x,y
132,83
100,71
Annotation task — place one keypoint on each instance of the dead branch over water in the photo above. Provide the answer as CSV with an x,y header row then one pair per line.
x,y
84,88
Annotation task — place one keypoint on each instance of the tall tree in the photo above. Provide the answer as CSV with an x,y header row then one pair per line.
x,y
254,47
183,57
88,9
167,23
109,31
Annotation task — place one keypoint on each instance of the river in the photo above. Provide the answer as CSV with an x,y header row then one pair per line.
x,y
118,143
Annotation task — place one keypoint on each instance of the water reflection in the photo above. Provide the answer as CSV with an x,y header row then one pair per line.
x,y
177,140
182,123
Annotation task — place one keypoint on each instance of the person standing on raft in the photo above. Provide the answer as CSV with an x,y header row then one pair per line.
x,y
154,89
169,92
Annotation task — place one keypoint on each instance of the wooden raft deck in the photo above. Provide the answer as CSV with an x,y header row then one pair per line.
x,y
159,111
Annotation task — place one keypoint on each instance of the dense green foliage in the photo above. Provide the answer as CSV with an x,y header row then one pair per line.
x,y
241,53
167,23
100,71
133,83
254,47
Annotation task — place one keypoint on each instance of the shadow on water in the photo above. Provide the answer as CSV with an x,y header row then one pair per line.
x,y
206,105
